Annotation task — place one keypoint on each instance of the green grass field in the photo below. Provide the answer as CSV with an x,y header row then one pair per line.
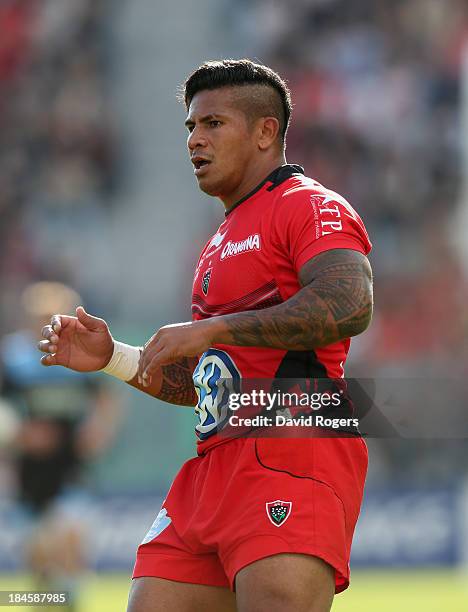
x,y
371,591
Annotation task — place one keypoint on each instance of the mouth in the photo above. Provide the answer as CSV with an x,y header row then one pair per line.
x,y
200,165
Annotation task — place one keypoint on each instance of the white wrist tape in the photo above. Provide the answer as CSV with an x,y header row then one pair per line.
x,y
124,361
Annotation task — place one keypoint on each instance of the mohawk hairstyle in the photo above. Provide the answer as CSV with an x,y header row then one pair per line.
x,y
270,95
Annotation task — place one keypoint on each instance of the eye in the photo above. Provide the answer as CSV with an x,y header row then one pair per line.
x,y
190,128
215,123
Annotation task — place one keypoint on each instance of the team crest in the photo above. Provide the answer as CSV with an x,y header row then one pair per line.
x,y
278,511
205,283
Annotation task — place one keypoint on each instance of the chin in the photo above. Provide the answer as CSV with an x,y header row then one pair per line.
x,y
210,188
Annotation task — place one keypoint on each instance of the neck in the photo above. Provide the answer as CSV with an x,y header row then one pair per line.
x,y
255,175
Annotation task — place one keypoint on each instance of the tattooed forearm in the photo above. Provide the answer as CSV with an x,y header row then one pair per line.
x,y
334,303
177,384
172,383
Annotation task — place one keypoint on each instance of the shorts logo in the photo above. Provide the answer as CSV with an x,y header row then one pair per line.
x,y
161,522
278,511
205,283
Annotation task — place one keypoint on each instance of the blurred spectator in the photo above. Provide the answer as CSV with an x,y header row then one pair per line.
x,y
376,91
64,420
57,144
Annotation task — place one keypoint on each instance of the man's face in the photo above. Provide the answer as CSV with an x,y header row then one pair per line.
x,y
221,142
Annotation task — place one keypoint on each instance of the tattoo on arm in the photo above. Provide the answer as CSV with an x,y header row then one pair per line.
x,y
172,383
177,383
335,302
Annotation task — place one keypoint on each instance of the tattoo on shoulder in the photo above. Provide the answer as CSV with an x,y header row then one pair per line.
x,y
177,383
342,279
335,302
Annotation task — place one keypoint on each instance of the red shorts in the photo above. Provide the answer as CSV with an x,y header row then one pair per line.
x,y
252,498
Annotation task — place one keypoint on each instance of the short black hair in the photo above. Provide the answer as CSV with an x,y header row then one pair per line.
x,y
272,97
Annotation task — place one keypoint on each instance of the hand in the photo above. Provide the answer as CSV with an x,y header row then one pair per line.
x,y
171,343
82,343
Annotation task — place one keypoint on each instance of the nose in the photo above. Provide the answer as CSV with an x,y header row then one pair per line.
x,y
196,139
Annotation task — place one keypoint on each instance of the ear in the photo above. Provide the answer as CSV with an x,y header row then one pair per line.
x,y
268,128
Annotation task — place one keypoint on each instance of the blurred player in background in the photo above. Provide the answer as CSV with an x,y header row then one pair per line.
x,y
65,420
278,292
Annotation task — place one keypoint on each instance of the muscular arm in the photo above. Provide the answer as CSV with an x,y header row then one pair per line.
x,y
172,383
335,302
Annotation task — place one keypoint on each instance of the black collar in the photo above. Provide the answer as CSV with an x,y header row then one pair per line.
x,y
278,176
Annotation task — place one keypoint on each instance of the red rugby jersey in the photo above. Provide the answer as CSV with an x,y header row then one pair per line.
x,y
252,262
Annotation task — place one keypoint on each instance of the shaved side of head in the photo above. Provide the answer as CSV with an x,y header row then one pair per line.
x,y
259,101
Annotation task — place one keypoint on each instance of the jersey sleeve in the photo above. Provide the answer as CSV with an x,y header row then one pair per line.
x,y
309,223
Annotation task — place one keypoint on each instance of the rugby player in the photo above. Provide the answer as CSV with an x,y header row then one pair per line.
x,y
279,290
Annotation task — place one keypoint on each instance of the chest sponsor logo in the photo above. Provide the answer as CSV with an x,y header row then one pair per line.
x,y
231,248
278,511
205,283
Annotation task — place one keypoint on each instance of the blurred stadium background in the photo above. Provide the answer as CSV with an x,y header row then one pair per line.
x,y
96,192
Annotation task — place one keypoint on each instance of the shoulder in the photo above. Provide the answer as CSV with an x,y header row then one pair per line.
x,y
305,190
311,218
301,197
304,196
